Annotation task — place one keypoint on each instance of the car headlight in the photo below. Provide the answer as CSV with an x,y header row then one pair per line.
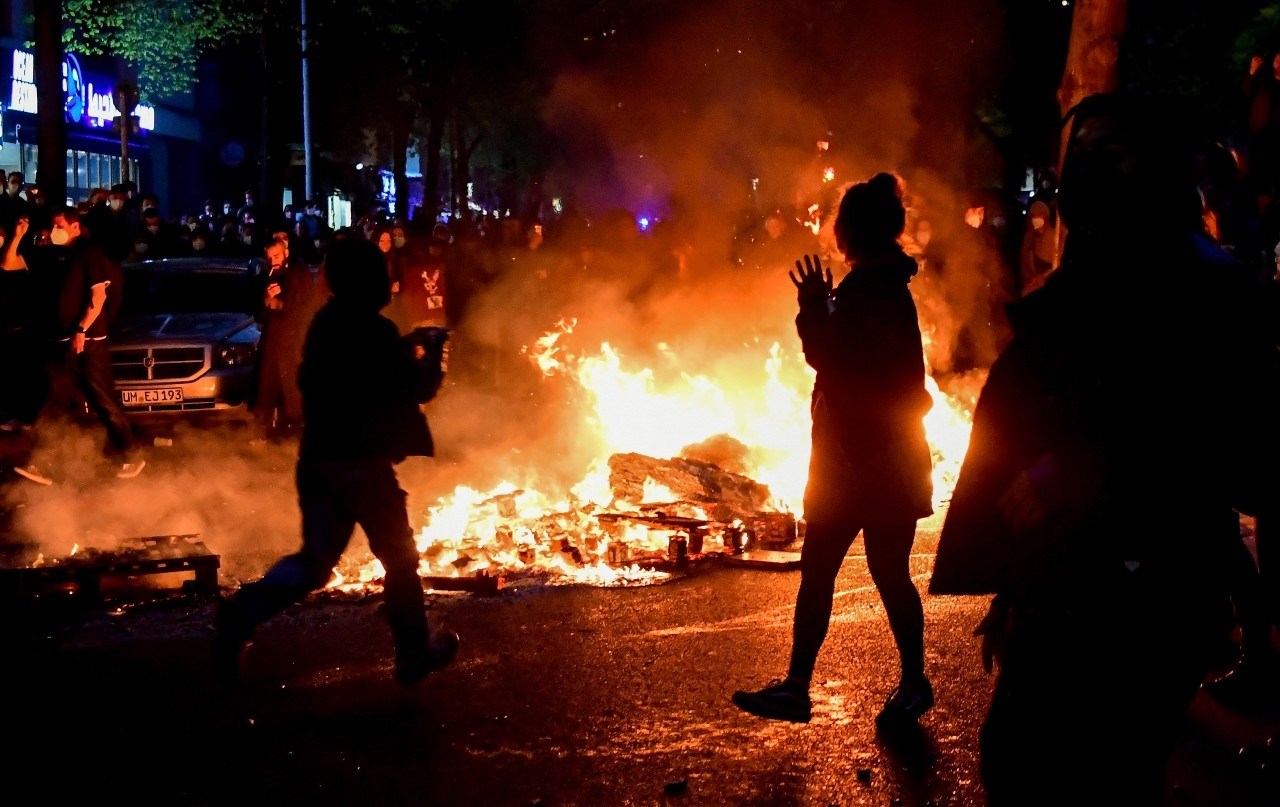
x,y
234,355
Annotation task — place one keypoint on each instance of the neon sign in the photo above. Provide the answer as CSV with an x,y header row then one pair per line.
x,y
84,102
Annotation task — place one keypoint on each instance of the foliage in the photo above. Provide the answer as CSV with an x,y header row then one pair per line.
x,y
161,39
1260,37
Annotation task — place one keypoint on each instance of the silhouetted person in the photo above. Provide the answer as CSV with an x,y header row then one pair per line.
x,y
12,205
1035,259
1101,516
346,466
89,292
870,467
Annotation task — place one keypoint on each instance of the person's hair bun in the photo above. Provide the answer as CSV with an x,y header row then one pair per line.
x,y
887,184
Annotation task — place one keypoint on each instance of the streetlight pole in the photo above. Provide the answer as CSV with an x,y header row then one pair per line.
x,y
306,106
126,100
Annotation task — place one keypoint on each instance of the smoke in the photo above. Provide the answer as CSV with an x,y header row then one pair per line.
x,y
237,497
719,112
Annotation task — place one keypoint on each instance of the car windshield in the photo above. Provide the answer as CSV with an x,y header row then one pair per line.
x,y
188,290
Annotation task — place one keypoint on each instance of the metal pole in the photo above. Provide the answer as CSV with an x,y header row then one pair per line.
x,y
306,105
125,120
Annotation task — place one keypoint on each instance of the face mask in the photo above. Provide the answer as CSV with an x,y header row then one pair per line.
x,y
115,204
399,242
59,237
191,225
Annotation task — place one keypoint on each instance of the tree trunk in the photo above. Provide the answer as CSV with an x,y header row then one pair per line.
x,y
431,171
1092,57
51,162
400,127
458,185
264,132
462,151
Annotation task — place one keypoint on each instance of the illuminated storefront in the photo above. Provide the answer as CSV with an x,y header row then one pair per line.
x,y
93,144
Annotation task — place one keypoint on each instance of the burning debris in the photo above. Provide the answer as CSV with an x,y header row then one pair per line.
x,y
635,517
84,572
657,516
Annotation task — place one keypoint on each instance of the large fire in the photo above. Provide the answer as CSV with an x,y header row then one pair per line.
x,y
581,534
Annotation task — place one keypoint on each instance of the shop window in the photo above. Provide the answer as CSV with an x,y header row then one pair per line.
x,y
82,174
28,162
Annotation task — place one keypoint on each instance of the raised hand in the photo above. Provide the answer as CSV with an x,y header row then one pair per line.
x,y
812,280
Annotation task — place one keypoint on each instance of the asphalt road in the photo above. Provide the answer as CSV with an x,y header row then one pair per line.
x,y
559,696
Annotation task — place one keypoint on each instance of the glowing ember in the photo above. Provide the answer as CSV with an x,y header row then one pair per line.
x,y
814,220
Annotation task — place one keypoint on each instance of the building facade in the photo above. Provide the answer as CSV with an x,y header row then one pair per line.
x,y
161,147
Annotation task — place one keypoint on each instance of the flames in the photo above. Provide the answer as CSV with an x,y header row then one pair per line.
x,y
658,411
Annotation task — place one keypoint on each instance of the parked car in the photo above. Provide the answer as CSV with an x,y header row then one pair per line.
x,y
185,341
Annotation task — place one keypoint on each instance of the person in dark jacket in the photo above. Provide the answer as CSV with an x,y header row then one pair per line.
x,y
1101,514
346,467
870,468
293,292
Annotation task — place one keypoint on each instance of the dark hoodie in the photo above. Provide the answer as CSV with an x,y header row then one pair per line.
x,y
361,386
870,460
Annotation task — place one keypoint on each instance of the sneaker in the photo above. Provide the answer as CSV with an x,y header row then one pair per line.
x,y
413,666
34,474
131,469
907,703
779,700
232,632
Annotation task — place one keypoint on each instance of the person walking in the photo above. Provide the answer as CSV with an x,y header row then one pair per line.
x,y
89,292
346,467
870,468
1104,521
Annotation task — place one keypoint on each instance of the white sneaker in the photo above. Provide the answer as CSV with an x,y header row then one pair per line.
x,y
32,473
131,469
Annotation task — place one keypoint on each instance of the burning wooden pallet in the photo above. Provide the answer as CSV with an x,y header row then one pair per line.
x,y
755,543
83,575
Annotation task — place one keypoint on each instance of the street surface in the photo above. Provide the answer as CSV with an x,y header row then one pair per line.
x,y
559,696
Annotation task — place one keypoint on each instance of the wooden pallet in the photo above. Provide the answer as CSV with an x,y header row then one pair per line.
x,y
83,577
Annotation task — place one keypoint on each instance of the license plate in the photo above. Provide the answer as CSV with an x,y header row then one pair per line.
x,y
149,397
